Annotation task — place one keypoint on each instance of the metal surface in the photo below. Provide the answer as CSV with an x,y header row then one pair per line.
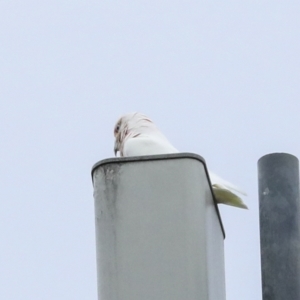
x,y
279,226
158,231
162,157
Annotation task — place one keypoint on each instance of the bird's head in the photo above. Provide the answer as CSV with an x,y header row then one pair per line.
x,y
129,125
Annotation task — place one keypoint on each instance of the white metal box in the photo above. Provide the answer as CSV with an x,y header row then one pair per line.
x,y
158,230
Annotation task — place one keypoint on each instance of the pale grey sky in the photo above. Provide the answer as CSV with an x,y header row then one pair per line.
x,y
220,79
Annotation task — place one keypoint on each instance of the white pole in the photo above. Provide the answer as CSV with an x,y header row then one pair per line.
x,y
158,231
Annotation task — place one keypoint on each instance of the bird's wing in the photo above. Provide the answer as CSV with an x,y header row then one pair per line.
x,y
217,180
147,145
225,192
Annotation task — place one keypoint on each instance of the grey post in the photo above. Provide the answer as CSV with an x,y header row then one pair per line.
x,y
159,234
279,211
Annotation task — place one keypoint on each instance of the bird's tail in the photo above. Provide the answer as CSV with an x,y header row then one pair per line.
x,y
227,197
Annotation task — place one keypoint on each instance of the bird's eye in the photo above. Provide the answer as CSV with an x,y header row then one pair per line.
x,y
117,128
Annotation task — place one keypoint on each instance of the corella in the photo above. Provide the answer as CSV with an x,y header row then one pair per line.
x,y
135,135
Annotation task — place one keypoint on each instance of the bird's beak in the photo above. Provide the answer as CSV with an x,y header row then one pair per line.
x,y
116,147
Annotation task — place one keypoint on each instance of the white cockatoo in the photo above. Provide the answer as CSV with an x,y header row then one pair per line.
x,y
135,135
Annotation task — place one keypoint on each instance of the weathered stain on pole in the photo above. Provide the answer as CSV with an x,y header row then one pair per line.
x,y
279,209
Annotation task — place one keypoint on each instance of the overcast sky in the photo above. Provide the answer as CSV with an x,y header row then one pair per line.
x,y
220,79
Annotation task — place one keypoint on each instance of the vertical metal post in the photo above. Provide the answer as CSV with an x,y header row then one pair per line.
x,y
279,212
158,231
